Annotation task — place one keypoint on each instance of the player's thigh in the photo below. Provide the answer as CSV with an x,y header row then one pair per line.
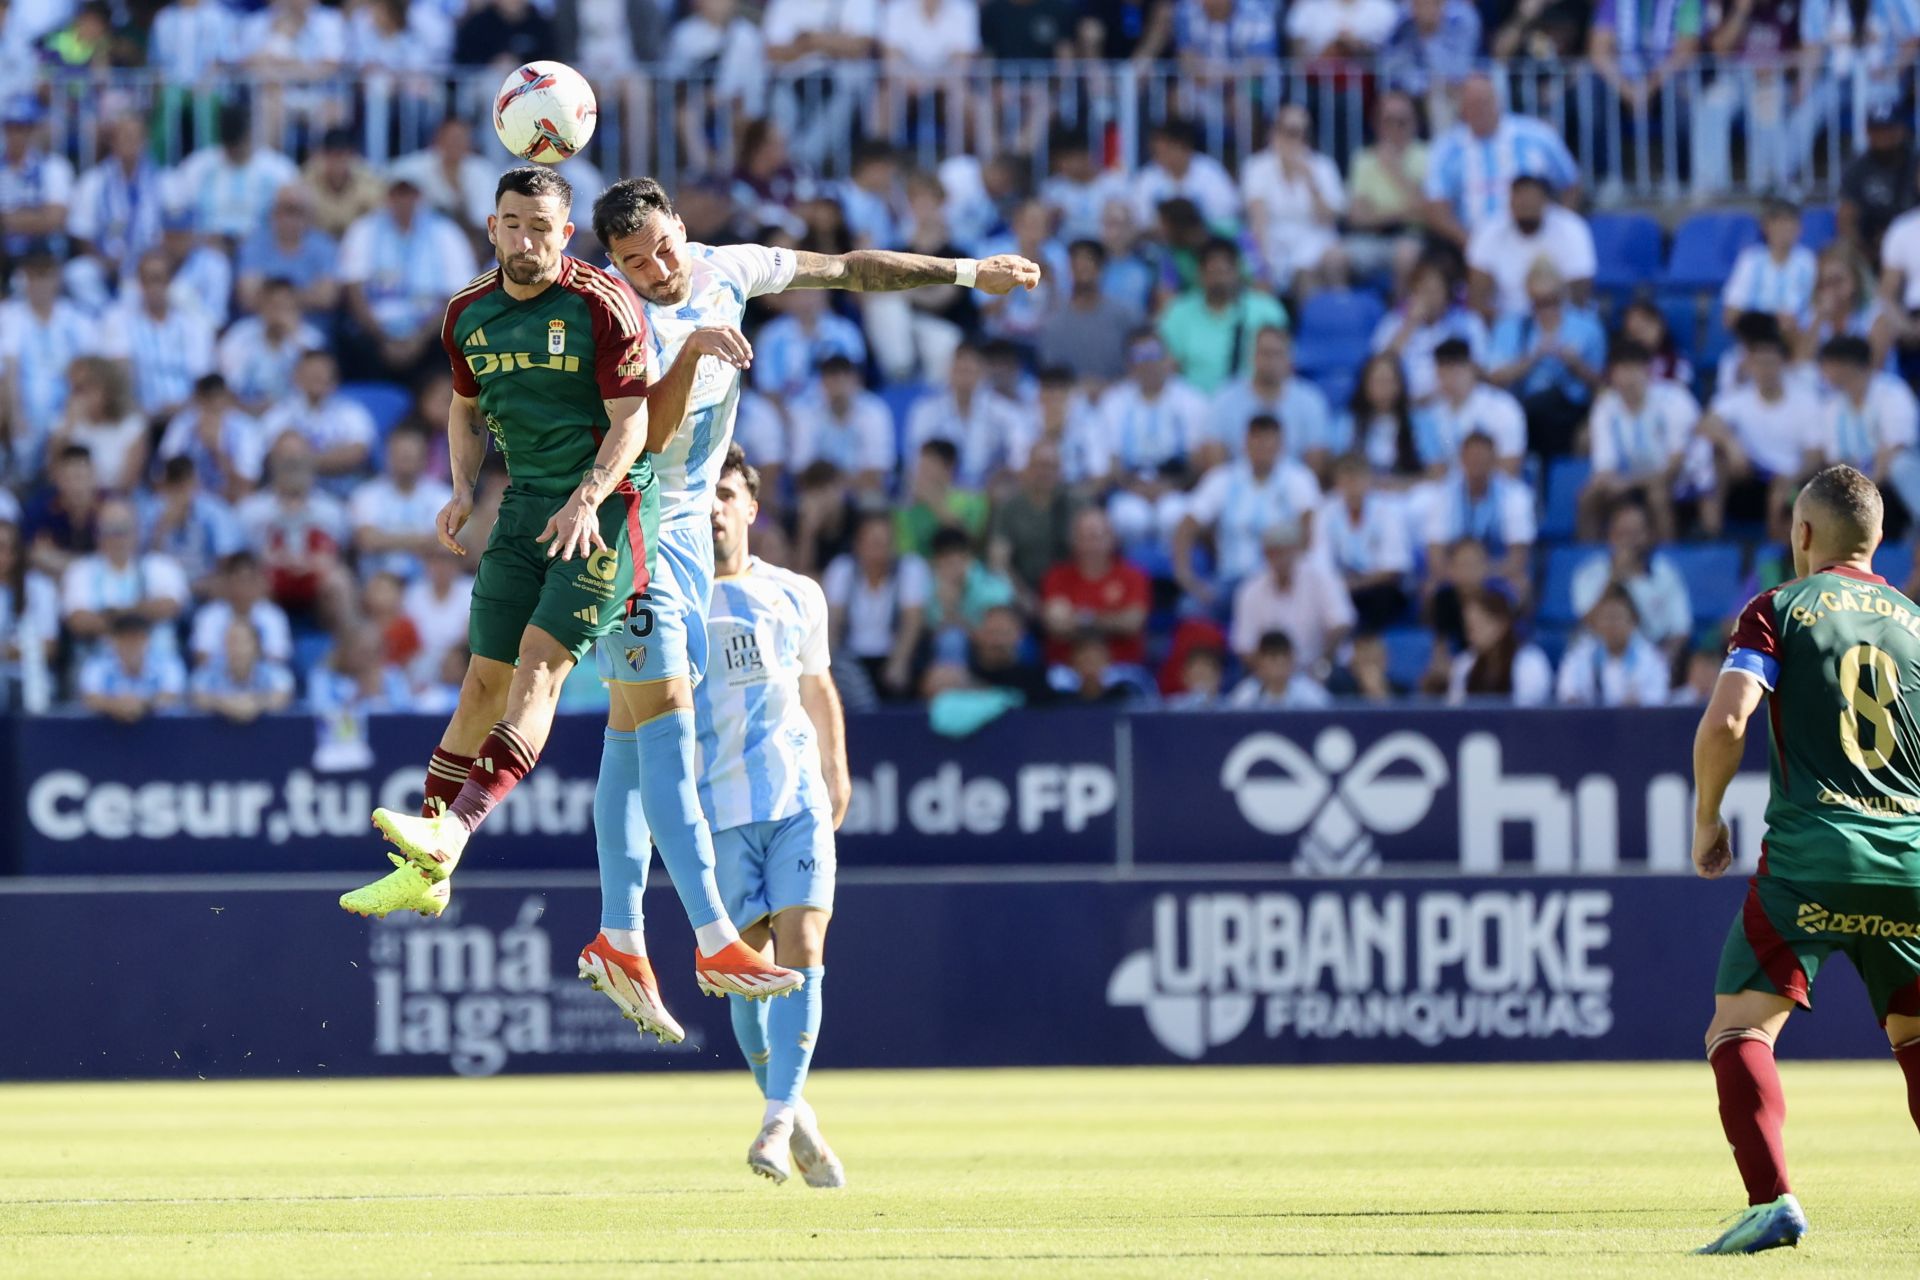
x,y
1768,953
800,865
739,872
508,582
662,635
1882,924
583,599
1760,1010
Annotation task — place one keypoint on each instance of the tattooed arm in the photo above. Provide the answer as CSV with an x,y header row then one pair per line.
x,y
885,271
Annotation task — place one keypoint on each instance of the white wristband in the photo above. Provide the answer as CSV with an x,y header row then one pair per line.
x,y
965,272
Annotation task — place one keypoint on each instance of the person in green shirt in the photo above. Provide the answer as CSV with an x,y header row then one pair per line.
x,y
1210,330
936,503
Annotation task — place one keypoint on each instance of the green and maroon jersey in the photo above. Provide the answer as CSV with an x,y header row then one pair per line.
x,y
543,368
1839,652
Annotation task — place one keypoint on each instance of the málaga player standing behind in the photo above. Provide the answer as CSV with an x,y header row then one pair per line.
x,y
1836,655
773,743
696,293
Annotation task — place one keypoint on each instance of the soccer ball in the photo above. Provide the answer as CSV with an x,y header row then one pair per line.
x,y
544,112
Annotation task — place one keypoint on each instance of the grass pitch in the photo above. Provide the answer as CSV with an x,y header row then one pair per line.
x,y
1487,1171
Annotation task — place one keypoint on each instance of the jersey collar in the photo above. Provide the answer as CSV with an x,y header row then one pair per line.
x,y
1848,571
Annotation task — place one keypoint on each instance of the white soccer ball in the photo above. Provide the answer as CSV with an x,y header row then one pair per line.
x,y
545,112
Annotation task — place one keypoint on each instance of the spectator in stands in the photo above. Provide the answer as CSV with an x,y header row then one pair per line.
x,y
935,502
1129,276
29,626
1463,573
1471,167
1482,502
1613,664
1360,533
1464,405
59,522
101,419
1430,316
960,591
35,183
225,447
1434,45
1021,315
1095,589
995,659
381,612
259,353
790,349
241,597
1378,421
1274,683
1643,322
1340,29
190,39
1551,357
1756,431
1880,183
1844,305
1663,608
1202,677
393,513
167,346
300,533
1385,202
925,45
344,186
357,679
715,40
1365,676
1236,504
1639,434
115,210
876,606
339,429
386,39
1210,331
1271,387
293,41
131,678
846,425
825,513
1296,593
1028,531
1073,425
242,685
1149,425
1869,421
454,181
200,270
438,601
871,199
1088,329
1637,55
500,34
1775,277
1078,189
1179,170
1090,675
400,264
1703,672
1775,94
1505,250
41,335
118,581
231,186
1496,662
194,528
1294,202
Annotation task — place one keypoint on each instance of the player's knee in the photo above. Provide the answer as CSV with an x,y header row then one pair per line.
x,y
800,937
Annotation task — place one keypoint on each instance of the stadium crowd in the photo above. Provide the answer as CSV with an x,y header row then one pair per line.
x,y
1373,426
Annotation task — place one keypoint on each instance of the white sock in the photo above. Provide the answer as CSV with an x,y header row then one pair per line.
x,y
776,1111
803,1115
712,937
631,941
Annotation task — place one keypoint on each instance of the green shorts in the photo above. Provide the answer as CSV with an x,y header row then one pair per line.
x,y
1786,929
574,601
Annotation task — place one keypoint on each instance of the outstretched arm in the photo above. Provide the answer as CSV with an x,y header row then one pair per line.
x,y
885,271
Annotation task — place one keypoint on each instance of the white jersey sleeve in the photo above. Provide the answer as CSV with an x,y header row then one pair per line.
x,y
814,657
757,268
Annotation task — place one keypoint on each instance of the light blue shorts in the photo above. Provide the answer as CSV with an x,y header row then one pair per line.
x,y
666,634
765,867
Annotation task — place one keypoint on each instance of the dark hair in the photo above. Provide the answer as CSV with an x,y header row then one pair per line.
x,y
624,208
235,124
1453,351
209,384
1057,375
1476,436
818,474
274,284
177,468
38,259
1758,329
1492,671
736,464
1851,499
972,346
836,363
418,430
536,182
1063,137
1274,644
129,624
1263,422
1219,247
1778,207
1615,593
948,539
1174,129
1627,351
1211,652
1406,454
870,151
235,561
1530,180
75,453
1002,349
1848,349
1092,248
943,449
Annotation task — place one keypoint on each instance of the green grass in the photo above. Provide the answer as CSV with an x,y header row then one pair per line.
x,y
1491,1171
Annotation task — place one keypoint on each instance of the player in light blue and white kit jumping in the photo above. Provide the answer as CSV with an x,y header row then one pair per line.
x,y
775,786
696,296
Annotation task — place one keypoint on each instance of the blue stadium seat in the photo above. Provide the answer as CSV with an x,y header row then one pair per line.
x,y
1711,571
1336,383
1556,588
1565,479
900,397
1819,226
1894,562
1682,313
1409,649
1704,247
386,402
1627,247
1553,642
1715,340
310,649
1334,331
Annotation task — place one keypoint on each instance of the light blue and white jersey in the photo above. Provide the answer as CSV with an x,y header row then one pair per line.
x,y
1637,442
759,755
724,277
169,353
1441,427
1759,283
1473,174
1887,417
1592,677
1376,540
1306,420
1239,507
37,350
161,675
1501,515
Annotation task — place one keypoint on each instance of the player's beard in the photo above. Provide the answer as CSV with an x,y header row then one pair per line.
x,y
525,270
673,292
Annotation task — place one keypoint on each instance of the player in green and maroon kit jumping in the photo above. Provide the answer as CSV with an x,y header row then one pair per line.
x,y
1835,653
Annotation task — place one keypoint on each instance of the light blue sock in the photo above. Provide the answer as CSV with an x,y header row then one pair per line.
x,y
620,834
793,1029
665,769
750,1029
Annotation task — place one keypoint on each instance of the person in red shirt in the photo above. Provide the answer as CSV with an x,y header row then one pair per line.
x,y
1095,589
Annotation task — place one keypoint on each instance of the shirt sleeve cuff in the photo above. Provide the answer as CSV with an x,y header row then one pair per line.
x,y
1763,667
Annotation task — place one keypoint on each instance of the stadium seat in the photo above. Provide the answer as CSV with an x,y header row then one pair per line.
x,y
1556,588
1682,313
1627,247
1566,477
1712,572
386,402
1714,340
1819,226
1553,642
1894,562
1704,247
1335,331
1409,649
